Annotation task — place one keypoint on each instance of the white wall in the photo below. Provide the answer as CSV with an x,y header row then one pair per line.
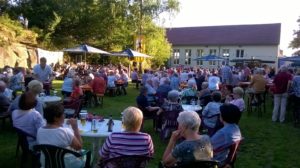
x,y
269,53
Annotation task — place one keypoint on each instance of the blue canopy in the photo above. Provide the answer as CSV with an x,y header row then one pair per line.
x,y
210,58
292,59
85,49
130,53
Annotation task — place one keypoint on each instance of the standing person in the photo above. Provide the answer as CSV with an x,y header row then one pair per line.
x,y
226,75
194,147
174,81
135,78
44,74
124,77
282,83
246,73
296,96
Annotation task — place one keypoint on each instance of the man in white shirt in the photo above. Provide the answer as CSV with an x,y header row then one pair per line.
x,y
213,82
44,74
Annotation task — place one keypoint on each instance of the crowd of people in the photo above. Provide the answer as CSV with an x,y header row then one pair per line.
x,y
220,93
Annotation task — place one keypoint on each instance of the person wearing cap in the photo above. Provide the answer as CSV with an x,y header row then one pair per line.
x,y
36,87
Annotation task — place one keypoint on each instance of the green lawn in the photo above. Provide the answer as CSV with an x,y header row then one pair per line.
x,y
266,144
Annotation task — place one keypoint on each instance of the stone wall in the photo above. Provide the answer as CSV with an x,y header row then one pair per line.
x,y
18,54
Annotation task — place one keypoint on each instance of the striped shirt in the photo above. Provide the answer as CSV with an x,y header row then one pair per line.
x,y
127,143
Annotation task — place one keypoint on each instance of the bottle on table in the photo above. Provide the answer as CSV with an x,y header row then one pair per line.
x,y
110,124
94,124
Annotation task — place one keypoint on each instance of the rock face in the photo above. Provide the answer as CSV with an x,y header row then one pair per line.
x,y
15,44
18,54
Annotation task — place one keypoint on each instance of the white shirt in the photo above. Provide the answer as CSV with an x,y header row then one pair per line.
x,y
42,74
213,83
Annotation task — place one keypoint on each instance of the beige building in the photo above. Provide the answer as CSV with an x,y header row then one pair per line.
x,y
237,44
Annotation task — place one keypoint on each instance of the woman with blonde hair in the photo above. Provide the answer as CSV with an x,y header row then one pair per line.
x,y
130,141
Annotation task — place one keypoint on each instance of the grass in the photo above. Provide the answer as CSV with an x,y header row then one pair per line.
x,y
266,144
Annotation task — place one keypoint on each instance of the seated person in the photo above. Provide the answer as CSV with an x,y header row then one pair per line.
x,y
194,147
5,91
98,85
26,117
77,91
35,87
204,91
213,82
144,105
67,86
55,134
237,98
211,109
151,91
163,90
130,141
190,91
111,79
4,104
222,139
16,81
226,91
170,106
258,82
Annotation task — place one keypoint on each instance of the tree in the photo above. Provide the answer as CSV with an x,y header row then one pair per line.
x,y
295,43
107,24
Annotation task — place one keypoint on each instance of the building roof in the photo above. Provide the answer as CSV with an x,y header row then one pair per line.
x,y
258,34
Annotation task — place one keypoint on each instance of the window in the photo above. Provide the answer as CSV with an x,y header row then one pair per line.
x,y
188,56
176,54
225,53
200,53
242,53
213,52
239,53
212,62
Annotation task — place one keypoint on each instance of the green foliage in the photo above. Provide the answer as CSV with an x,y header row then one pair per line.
x,y
12,31
157,45
107,24
265,145
295,43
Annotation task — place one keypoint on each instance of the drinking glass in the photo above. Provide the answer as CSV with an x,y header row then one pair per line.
x,y
83,118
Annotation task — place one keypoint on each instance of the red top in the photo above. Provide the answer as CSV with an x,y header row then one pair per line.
x,y
77,92
98,85
281,82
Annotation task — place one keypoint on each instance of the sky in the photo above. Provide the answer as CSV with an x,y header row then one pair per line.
x,y
235,12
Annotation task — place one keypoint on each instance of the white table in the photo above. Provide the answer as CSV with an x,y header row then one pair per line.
x,y
187,107
50,99
98,138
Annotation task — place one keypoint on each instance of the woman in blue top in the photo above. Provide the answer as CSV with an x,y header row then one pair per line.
x,y
230,133
67,86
